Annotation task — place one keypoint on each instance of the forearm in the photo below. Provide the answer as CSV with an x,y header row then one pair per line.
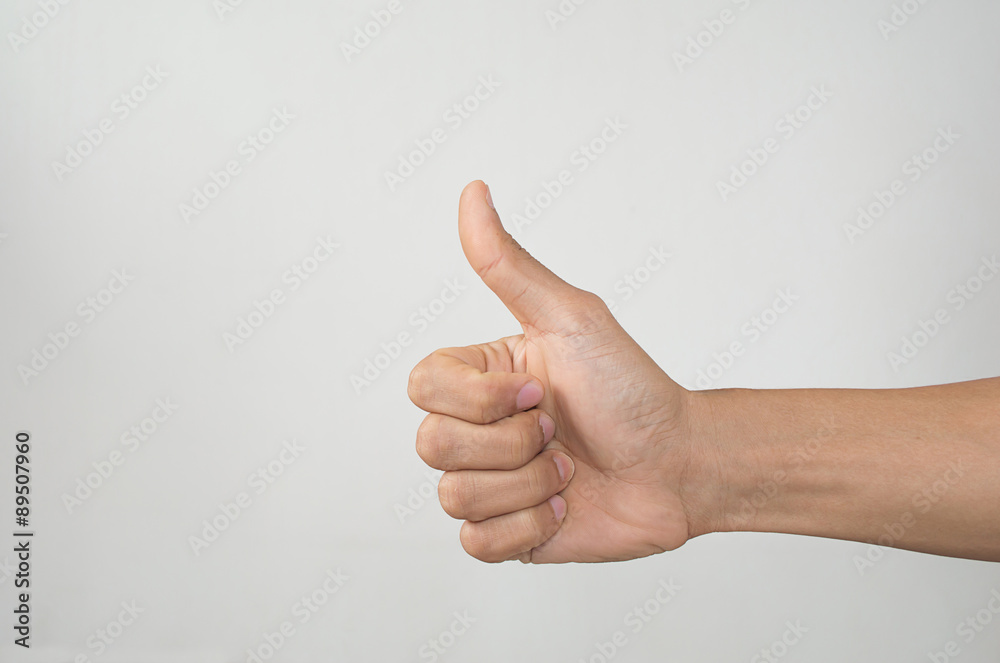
x,y
910,468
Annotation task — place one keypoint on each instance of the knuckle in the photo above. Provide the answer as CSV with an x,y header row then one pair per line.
x,y
586,313
415,386
534,480
528,441
481,541
592,302
446,493
485,400
538,478
429,439
456,494
483,410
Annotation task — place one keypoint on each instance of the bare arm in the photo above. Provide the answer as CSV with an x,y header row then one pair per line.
x,y
910,468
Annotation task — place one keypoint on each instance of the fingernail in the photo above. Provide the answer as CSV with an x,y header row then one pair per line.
x,y
548,426
558,506
529,396
489,197
565,467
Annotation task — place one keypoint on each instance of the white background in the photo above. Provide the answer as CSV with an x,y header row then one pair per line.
x,y
339,504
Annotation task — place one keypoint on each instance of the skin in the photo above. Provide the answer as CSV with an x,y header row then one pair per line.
x,y
567,443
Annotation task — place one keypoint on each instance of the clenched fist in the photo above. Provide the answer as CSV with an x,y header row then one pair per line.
x,y
566,443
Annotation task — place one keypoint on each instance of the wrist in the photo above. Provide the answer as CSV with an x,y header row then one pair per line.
x,y
731,474
762,461
706,481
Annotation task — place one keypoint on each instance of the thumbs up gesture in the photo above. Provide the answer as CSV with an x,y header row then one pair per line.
x,y
566,443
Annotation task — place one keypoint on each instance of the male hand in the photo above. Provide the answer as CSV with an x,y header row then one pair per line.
x,y
566,443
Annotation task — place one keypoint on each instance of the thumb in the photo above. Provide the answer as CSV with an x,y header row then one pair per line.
x,y
527,288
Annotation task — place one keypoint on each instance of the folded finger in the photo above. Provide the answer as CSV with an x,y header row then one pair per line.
x,y
447,443
481,494
511,535
456,382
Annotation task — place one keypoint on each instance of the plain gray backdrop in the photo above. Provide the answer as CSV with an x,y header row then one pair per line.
x,y
355,500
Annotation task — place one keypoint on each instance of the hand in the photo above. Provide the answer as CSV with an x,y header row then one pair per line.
x,y
566,443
